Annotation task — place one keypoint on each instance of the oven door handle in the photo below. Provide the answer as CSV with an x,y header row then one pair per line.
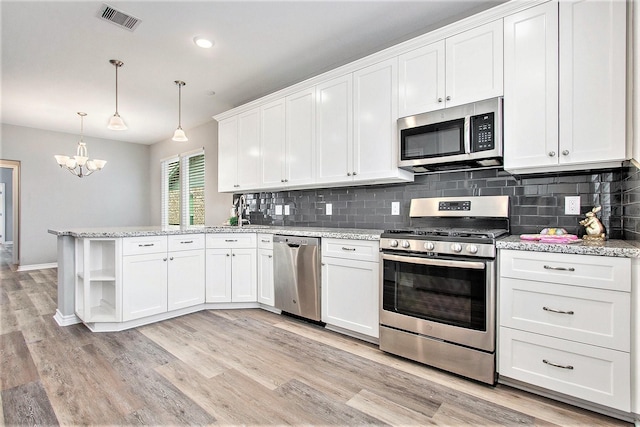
x,y
435,262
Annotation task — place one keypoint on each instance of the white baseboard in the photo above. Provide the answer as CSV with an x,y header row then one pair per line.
x,y
37,266
68,320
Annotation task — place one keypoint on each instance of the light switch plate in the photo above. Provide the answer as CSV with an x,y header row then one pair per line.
x,y
329,209
572,205
395,208
287,210
278,209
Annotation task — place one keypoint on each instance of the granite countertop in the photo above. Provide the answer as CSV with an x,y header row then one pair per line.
x,y
614,248
113,232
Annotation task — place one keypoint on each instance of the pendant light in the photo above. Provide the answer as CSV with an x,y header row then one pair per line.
x,y
80,165
179,134
116,122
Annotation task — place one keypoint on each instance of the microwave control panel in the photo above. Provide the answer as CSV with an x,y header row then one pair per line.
x,y
482,132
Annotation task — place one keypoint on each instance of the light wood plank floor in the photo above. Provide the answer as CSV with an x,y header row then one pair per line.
x,y
230,367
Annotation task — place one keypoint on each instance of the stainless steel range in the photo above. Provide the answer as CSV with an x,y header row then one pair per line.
x,y
438,284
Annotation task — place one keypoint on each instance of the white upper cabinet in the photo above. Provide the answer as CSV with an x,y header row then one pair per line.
x,y
466,67
272,142
228,154
334,131
375,109
592,81
531,87
565,77
300,137
421,82
474,64
239,152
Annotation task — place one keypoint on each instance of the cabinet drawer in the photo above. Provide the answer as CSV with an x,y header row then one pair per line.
x,y
363,250
144,245
185,242
587,372
265,241
231,240
581,270
592,316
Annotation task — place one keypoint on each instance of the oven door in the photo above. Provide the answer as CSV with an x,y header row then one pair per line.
x,y
448,299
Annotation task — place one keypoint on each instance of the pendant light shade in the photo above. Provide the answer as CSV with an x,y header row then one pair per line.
x,y
80,165
179,134
116,122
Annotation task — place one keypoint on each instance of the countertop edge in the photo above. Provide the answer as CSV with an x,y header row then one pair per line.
x,y
610,248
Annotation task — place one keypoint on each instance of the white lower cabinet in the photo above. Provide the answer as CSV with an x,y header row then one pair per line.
x,y
350,285
145,282
231,268
564,324
265,269
185,286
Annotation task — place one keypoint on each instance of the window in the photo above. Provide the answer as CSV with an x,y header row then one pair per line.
x,y
183,189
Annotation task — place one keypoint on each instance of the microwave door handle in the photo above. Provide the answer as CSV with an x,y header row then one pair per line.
x,y
467,135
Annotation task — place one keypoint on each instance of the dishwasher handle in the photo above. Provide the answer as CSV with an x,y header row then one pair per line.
x,y
293,245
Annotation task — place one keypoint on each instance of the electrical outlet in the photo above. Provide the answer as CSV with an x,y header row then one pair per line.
x,y
329,209
287,210
278,209
395,208
572,205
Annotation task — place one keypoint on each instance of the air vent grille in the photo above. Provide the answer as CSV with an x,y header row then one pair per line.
x,y
118,17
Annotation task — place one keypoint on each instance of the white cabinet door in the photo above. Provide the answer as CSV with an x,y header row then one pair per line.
x,y
350,295
228,154
592,81
244,275
249,150
531,87
474,64
272,142
421,80
334,121
144,285
218,275
186,279
301,137
375,102
265,277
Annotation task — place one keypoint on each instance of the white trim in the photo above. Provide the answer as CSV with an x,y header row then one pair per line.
x,y
8,242
37,266
63,320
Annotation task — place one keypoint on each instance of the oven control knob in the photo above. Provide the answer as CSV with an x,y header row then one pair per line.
x,y
429,246
393,243
456,247
405,244
472,249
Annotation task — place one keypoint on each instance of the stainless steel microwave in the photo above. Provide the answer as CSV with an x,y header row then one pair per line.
x,y
464,137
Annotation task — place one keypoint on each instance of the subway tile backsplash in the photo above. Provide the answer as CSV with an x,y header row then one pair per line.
x,y
536,201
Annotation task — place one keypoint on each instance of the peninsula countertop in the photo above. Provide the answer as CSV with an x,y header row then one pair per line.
x,y
114,232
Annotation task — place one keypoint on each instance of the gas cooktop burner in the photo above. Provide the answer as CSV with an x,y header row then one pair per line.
x,y
436,232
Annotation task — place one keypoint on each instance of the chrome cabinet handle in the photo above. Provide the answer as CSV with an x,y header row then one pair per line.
x,y
187,241
565,152
171,259
448,98
348,249
439,99
557,365
164,259
145,245
233,254
552,153
228,255
548,267
355,173
270,256
265,241
348,173
553,310
236,185
230,240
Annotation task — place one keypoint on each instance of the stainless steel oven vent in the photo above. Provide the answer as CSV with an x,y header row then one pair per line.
x,y
118,17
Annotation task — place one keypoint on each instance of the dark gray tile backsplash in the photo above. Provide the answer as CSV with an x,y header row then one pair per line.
x,y
536,201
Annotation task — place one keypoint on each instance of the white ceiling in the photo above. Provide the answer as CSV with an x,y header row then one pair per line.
x,y
55,56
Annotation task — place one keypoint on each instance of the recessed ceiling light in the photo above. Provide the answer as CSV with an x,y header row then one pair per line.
x,y
202,42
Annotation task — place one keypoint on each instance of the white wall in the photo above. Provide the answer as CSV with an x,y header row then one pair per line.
x,y
217,205
52,198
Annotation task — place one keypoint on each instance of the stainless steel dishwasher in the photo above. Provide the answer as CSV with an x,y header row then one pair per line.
x,y
297,275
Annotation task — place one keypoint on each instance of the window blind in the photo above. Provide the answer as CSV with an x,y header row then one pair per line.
x,y
182,194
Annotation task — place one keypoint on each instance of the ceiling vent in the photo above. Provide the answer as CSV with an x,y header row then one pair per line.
x,y
118,17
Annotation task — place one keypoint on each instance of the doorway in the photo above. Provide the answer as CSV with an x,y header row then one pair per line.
x,y
11,168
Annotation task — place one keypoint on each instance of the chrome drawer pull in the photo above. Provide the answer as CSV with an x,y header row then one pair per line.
x,y
348,249
556,365
553,310
265,241
145,245
230,240
187,241
548,267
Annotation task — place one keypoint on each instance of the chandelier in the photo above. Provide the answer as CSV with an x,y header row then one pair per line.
x,y
80,165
